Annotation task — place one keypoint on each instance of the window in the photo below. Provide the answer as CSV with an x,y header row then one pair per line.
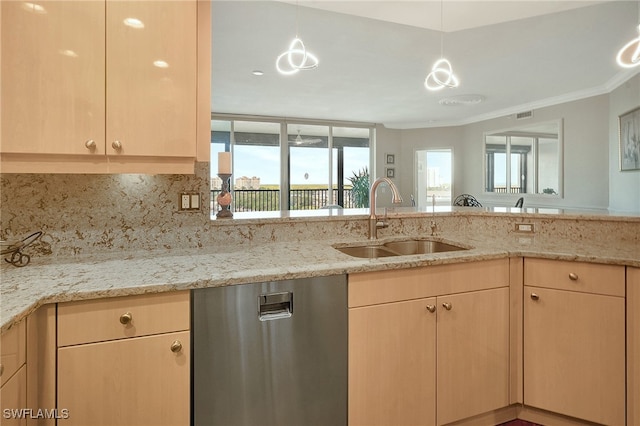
x,y
525,160
313,162
308,166
433,177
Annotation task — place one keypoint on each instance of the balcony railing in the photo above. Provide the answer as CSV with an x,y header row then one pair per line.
x,y
255,200
513,190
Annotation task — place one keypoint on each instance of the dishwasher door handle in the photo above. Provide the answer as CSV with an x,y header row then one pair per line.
x,y
275,306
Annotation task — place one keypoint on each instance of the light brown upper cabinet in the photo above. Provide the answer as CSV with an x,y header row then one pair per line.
x,y
95,87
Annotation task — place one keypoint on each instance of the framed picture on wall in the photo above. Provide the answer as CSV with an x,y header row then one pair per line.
x,y
390,158
390,172
629,134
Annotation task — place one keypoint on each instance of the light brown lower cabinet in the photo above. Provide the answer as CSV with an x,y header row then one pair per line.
x,y
13,399
430,360
392,364
125,361
633,346
137,381
574,340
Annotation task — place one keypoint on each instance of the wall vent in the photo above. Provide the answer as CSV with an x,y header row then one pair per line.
x,y
524,115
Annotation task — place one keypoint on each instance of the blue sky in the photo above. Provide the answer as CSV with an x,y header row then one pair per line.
x,y
308,165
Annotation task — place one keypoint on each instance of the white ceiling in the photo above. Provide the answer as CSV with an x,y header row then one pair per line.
x,y
374,56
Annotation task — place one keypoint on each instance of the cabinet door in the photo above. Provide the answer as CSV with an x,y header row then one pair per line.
x,y
151,78
137,381
392,364
13,399
53,77
574,354
473,353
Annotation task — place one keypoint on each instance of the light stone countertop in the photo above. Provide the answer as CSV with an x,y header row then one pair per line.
x,y
23,290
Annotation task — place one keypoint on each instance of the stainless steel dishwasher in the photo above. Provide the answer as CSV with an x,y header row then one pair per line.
x,y
272,353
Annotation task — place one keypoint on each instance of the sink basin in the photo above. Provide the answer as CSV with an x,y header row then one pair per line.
x,y
420,247
398,248
368,252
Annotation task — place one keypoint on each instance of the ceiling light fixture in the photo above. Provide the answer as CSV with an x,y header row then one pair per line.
x,y
441,74
297,56
629,55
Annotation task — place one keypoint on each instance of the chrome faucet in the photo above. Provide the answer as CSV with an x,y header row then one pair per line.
x,y
373,219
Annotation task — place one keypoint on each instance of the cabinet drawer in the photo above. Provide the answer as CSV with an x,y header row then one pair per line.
x,y
13,350
122,317
575,276
371,288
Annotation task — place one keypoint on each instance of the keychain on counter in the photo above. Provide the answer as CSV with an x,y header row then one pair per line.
x,y
18,258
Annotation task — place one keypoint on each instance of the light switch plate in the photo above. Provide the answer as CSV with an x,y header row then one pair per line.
x,y
524,227
189,201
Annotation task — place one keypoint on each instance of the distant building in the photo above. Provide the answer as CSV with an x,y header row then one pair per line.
x,y
216,183
247,183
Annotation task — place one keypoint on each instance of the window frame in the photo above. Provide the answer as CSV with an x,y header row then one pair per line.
x,y
525,130
285,123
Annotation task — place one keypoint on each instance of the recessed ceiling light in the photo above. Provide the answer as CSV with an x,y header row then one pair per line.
x,y
257,72
161,64
464,100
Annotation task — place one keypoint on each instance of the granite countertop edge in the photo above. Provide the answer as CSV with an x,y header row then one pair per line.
x,y
23,290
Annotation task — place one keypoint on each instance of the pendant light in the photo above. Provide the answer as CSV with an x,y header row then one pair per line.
x,y
629,55
297,57
441,74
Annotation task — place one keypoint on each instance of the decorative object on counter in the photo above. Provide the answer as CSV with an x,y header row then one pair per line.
x,y
360,188
629,135
18,258
297,56
520,202
224,198
441,74
466,200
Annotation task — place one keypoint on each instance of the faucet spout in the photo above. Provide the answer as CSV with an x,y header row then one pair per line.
x,y
396,199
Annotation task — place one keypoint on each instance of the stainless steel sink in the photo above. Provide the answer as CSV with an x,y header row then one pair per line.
x,y
420,247
398,248
367,252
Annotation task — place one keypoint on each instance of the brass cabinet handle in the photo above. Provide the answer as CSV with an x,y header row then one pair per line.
x,y
117,145
447,306
90,144
176,346
431,308
573,277
534,296
126,318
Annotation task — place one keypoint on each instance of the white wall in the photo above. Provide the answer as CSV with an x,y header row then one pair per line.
x,y
586,172
588,146
624,187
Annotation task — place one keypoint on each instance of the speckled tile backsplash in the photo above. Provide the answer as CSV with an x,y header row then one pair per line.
x,y
82,214
88,214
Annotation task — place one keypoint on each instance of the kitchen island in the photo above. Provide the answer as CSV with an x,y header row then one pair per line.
x,y
88,285
289,247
